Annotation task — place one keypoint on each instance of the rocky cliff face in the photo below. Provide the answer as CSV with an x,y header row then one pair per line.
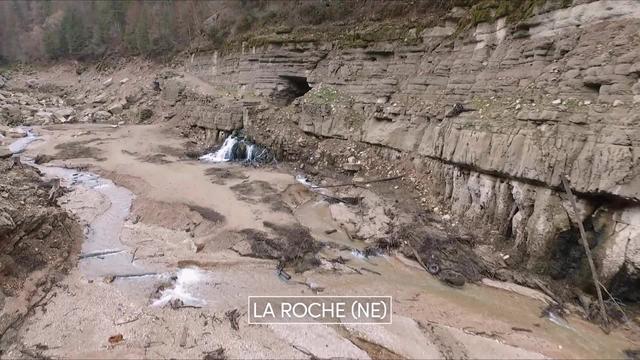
x,y
555,95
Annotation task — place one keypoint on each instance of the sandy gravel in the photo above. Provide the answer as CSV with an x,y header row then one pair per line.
x,y
186,216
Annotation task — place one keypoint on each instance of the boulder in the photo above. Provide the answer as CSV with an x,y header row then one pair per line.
x,y
132,97
43,117
172,89
116,108
5,153
15,133
78,99
6,222
65,112
243,248
107,82
100,99
100,116
12,111
7,265
3,82
353,167
239,151
145,114
619,250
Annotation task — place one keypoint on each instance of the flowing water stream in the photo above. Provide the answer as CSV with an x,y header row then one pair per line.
x,y
21,144
225,153
235,149
103,255
102,252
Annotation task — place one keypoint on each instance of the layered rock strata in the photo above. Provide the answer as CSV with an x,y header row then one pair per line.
x,y
554,95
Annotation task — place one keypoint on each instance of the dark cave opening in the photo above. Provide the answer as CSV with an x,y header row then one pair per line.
x,y
595,87
568,254
296,86
624,286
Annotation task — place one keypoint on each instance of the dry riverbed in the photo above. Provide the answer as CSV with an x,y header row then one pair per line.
x,y
168,257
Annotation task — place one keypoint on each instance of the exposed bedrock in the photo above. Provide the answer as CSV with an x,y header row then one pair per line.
x,y
557,94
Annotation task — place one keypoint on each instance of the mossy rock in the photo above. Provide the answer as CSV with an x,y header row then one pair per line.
x,y
239,151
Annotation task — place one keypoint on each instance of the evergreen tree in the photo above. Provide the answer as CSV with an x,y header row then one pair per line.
x,y
51,42
164,41
119,13
73,33
103,13
142,41
45,8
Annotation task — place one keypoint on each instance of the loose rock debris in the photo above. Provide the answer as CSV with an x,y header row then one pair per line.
x,y
441,254
217,354
293,245
233,316
116,339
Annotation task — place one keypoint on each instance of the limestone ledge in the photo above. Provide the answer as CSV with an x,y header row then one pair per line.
x,y
556,95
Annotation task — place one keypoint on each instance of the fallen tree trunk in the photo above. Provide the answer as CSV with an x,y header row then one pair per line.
x,y
356,183
585,244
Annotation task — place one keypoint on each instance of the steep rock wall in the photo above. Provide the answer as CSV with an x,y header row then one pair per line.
x,y
557,94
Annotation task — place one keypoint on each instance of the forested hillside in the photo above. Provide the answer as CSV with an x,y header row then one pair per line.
x,y
52,29
55,29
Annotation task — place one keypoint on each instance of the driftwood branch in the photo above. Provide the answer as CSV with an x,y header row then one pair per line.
x,y
133,256
356,183
585,244
99,253
615,302
415,253
54,193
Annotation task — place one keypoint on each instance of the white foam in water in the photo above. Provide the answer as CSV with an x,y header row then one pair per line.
x,y
20,145
303,180
313,187
223,154
250,149
559,321
186,279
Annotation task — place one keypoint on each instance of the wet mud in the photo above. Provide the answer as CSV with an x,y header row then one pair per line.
x,y
195,250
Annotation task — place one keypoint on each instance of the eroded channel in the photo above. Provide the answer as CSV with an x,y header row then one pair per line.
x,y
103,254
223,281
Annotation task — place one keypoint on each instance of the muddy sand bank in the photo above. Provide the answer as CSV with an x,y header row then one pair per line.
x,y
168,256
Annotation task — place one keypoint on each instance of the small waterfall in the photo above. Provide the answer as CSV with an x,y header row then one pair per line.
x,y
304,181
21,144
225,153
250,150
187,280
238,148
